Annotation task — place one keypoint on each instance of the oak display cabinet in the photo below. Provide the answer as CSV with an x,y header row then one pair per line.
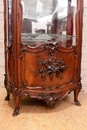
x,y
43,41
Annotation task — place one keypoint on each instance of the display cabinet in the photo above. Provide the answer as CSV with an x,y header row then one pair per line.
x,y
43,41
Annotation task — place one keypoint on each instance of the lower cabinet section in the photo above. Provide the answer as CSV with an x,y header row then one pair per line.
x,y
45,74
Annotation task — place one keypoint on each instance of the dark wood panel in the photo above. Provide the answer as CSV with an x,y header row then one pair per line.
x,y
41,68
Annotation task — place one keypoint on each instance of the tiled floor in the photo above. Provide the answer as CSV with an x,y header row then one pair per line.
x,y
36,115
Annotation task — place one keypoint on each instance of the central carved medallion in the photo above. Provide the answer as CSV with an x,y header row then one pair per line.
x,y
50,67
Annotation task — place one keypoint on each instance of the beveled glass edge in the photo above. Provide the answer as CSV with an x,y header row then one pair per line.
x,y
33,34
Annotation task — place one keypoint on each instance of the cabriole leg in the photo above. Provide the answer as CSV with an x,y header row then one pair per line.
x,y
7,98
76,93
16,110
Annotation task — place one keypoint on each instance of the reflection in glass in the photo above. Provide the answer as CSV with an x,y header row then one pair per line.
x,y
48,20
9,21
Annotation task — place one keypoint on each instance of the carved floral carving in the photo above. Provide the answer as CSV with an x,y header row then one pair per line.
x,y
50,67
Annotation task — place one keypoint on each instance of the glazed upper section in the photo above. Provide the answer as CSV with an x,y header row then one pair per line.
x,y
44,20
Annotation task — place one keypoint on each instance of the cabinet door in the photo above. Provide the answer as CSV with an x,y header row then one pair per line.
x,y
46,27
47,55
39,67
8,39
48,17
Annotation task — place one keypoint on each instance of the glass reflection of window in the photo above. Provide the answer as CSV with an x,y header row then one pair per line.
x,y
48,17
9,22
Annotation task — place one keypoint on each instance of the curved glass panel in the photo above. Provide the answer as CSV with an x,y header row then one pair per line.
x,y
9,21
47,20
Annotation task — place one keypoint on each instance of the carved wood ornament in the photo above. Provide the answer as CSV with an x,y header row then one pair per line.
x,y
50,67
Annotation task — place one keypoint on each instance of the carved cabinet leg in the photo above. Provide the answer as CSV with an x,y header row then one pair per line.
x,y
7,98
16,110
76,93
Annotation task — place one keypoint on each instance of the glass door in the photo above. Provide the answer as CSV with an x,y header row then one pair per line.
x,y
10,21
52,20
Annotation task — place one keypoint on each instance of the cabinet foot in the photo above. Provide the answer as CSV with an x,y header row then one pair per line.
x,y
7,98
76,93
16,112
77,103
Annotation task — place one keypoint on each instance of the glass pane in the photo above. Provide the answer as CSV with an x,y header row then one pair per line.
x,y
48,20
9,21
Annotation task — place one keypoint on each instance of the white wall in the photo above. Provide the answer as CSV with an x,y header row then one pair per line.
x,y
1,44
84,48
